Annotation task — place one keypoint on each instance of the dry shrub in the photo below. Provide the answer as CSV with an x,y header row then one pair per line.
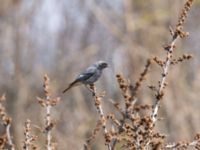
x,y
135,128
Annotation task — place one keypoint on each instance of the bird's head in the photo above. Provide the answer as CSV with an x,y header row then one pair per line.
x,y
101,64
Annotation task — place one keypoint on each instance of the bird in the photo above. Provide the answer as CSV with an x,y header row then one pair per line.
x,y
89,76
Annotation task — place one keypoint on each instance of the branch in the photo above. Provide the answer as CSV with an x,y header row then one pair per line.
x,y
48,103
103,120
168,60
29,139
6,121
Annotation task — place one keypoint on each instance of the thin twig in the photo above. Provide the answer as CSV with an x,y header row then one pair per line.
x,y
6,121
170,48
29,138
163,78
179,145
48,102
9,137
48,123
98,105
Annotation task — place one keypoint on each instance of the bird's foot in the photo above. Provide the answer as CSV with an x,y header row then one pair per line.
x,y
91,88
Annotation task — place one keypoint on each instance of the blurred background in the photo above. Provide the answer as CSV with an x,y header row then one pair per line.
x,y
61,38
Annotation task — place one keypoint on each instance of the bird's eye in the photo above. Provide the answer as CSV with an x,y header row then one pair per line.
x,y
104,65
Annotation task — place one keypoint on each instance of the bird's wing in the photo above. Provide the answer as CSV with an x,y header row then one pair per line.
x,y
82,77
87,74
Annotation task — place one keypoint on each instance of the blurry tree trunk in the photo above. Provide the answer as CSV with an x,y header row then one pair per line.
x,y
17,59
85,35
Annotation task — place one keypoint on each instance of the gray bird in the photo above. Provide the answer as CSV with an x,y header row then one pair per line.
x,y
89,76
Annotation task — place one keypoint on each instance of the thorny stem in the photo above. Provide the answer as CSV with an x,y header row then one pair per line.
x,y
163,78
48,103
173,146
48,122
100,111
7,122
9,136
160,93
178,33
27,135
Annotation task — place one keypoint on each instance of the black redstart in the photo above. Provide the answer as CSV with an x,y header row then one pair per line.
x,y
89,76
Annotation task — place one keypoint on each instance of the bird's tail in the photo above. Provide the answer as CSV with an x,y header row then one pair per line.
x,y
70,86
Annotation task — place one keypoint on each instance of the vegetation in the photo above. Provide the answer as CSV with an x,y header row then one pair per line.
x,y
136,115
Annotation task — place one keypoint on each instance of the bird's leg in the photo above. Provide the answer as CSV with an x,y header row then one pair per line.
x,y
91,88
